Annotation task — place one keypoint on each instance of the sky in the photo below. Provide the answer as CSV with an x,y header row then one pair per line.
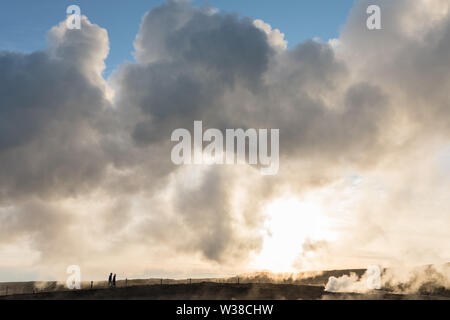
x,y
23,23
87,138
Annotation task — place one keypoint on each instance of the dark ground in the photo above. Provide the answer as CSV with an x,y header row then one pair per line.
x,y
259,286
210,291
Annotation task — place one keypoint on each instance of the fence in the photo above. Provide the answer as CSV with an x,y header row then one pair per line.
x,y
48,287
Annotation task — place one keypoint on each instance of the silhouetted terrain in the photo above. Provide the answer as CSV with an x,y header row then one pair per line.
x,y
306,278
258,286
209,291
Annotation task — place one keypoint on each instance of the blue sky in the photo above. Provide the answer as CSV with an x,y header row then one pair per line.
x,y
23,24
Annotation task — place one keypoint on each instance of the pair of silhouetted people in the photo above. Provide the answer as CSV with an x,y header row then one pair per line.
x,y
112,280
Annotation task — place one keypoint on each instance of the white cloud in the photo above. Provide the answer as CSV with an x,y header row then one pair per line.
x,y
276,38
374,103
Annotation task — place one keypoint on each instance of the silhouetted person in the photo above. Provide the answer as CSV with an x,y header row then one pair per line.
x,y
110,280
114,281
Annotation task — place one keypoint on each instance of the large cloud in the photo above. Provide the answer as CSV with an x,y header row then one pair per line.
x,y
79,165
50,102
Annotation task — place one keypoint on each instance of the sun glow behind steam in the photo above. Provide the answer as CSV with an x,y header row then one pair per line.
x,y
290,223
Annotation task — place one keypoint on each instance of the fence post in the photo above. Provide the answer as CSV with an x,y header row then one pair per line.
x,y
161,281
190,281
6,290
126,282
237,280
92,285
